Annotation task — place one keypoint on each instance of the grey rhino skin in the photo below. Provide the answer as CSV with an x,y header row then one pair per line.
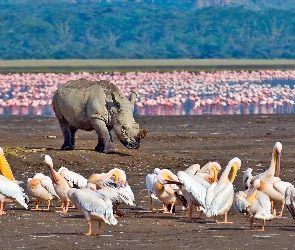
x,y
100,106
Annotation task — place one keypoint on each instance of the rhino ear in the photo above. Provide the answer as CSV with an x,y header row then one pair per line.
x,y
133,96
116,100
119,102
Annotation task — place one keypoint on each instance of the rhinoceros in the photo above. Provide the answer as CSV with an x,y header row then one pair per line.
x,y
100,106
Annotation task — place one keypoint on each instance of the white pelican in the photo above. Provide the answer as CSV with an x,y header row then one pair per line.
x,y
274,168
254,203
41,188
4,166
150,181
119,183
209,171
220,195
60,185
194,185
271,184
94,206
74,179
11,192
193,169
166,192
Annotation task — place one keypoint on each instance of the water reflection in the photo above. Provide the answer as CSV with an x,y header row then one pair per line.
x,y
188,108
177,93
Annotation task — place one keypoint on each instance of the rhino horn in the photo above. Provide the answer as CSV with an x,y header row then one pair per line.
x,y
132,96
142,133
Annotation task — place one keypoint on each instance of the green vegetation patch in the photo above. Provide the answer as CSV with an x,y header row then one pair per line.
x,y
16,151
143,65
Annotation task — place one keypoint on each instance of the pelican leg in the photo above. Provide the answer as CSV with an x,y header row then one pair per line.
x,y
263,225
73,206
66,207
99,227
48,206
61,206
225,219
151,202
216,220
251,223
2,208
201,212
37,206
89,228
172,206
274,212
280,214
190,212
273,208
166,209
198,209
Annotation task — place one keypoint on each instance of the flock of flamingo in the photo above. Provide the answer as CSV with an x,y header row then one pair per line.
x,y
170,93
263,196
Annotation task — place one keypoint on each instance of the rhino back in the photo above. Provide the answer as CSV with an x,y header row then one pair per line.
x,y
79,100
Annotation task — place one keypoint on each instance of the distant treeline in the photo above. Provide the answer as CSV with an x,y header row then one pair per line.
x,y
60,30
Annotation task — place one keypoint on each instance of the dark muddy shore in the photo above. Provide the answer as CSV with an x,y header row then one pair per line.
x,y
173,142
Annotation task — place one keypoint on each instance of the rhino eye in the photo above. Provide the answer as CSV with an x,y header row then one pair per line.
x,y
123,130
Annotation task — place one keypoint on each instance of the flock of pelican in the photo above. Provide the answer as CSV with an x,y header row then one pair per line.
x,y
200,187
263,196
96,198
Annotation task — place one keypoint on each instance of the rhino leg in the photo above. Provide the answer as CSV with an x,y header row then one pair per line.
x,y
73,131
67,131
105,143
103,146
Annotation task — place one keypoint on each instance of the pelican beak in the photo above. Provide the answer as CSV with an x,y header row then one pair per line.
x,y
251,193
278,163
215,174
235,168
4,167
172,182
117,175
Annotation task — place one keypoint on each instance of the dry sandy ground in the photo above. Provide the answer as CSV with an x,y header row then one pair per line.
x,y
172,142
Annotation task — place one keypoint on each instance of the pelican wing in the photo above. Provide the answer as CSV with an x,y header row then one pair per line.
x,y
210,195
95,203
73,178
46,182
262,206
281,186
13,190
240,203
150,180
126,195
111,192
221,201
202,181
193,186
